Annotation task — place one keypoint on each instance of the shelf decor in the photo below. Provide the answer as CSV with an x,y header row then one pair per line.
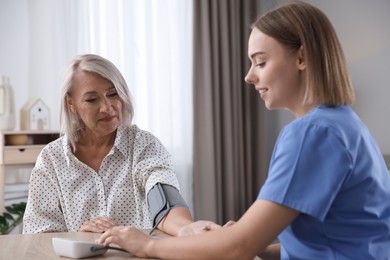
x,y
35,115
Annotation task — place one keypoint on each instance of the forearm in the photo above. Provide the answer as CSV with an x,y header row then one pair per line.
x,y
169,210
218,244
253,233
175,220
36,221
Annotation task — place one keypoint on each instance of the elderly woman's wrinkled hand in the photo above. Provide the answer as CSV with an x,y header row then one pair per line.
x,y
98,225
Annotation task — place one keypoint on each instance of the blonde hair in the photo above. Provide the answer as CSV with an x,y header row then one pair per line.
x,y
70,123
297,24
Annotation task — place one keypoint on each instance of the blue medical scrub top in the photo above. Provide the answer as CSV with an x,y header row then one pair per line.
x,y
328,166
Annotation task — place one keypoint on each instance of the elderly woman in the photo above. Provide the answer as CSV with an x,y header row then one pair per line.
x,y
103,171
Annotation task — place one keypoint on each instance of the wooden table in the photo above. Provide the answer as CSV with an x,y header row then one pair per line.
x,y
39,246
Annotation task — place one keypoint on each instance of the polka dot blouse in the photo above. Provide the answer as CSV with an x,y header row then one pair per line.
x,y
64,192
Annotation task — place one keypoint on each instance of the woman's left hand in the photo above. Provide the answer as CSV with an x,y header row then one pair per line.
x,y
98,225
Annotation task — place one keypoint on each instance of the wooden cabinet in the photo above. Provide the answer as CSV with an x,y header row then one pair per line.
x,y
20,149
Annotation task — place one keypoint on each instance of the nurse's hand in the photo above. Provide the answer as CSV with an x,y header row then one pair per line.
x,y
98,225
128,238
197,227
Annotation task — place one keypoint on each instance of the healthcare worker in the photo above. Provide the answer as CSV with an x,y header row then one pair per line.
x,y
327,195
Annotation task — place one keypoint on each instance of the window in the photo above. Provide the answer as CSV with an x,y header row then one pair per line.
x,y
151,44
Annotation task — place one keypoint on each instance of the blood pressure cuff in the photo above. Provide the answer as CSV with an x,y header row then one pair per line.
x,y
162,198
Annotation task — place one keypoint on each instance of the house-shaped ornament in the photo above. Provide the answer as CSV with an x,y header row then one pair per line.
x,y
35,115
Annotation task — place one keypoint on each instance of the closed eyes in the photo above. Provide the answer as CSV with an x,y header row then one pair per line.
x,y
260,65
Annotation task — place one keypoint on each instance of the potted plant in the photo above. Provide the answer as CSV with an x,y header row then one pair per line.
x,y
12,217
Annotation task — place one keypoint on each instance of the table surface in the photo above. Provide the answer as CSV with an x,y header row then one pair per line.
x,y
39,246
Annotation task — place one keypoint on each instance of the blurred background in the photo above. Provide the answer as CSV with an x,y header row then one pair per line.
x,y
181,59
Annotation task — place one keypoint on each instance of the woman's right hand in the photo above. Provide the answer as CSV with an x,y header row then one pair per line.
x,y
98,225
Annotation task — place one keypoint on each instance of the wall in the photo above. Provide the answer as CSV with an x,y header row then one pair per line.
x,y
362,27
14,46
360,24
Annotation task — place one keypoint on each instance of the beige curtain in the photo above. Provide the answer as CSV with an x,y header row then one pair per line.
x,y
229,147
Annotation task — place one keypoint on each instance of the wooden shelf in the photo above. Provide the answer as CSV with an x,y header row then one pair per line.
x,y
20,148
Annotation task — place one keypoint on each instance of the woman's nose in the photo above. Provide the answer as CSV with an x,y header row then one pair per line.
x,y
250,78
105,105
